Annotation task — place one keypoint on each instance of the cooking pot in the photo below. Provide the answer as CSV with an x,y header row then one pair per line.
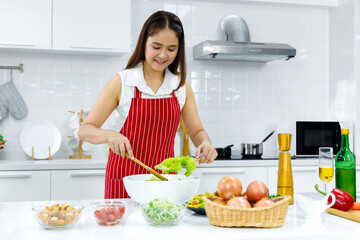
x,y
251,150
254,150
224,152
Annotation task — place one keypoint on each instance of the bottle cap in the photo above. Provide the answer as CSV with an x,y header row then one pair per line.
x,y
344,131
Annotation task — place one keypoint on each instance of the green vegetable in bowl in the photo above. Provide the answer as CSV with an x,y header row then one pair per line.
x,y
154,178
174,165
163,210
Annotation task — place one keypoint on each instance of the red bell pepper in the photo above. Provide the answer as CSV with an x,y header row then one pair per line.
x,y
344,201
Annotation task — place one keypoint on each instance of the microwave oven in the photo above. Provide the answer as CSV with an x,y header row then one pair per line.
x,y
308,136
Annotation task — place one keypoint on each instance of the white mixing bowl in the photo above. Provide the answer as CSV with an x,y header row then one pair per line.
x,y
143,191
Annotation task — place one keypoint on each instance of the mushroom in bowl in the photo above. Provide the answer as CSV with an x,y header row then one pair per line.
x,y
56,216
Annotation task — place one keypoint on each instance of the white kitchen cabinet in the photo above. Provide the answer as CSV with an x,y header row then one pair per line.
x,y
77,184
95,26
211,176
24,186
304,179
25,24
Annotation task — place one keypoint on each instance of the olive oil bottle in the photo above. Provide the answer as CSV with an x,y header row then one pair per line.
x,y
345,163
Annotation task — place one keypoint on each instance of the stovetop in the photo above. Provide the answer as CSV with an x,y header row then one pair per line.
x,y
239,157
242,158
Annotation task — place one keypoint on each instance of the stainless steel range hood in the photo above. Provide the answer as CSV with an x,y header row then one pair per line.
x,y
243,51
237,46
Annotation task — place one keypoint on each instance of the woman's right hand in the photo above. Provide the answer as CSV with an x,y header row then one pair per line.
x,y
120,145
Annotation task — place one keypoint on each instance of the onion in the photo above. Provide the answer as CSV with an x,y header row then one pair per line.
x,y
238,202
219,201
229,187
263,202
256,190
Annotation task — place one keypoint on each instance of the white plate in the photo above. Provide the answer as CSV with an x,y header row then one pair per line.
x,y
41,135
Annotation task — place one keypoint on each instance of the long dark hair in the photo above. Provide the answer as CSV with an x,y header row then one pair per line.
x,y
156,22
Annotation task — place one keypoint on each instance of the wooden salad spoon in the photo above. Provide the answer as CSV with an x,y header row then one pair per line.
x,y
162,178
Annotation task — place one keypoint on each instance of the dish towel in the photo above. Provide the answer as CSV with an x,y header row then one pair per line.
x,y
11,101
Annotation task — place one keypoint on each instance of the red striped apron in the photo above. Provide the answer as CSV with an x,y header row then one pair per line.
x,y
150,127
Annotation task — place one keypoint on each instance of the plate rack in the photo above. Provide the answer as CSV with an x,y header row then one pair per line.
x,y
80,155
33,158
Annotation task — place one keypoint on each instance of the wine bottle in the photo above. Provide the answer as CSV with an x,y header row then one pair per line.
x,y
345,175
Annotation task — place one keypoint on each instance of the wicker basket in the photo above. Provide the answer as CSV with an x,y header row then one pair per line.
x,y
266,217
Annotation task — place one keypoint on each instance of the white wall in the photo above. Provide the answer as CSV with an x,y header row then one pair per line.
x,y
344,62
237,101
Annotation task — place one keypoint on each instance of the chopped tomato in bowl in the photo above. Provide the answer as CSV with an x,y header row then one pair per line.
x,y
109,212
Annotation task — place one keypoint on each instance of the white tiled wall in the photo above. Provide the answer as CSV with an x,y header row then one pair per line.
x,y
344,62
237,101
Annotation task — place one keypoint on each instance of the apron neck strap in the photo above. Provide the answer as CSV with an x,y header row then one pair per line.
x,y
137,93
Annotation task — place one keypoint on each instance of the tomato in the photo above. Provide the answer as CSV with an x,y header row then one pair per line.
x,y
122,210
117,213
109,215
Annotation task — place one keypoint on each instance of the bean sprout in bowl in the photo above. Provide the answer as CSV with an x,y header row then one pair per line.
x,y
179,187
163,211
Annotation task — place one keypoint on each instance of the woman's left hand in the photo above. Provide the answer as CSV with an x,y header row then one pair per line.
x,y
207,152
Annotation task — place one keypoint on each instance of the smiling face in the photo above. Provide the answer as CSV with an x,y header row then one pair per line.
x,y
161,49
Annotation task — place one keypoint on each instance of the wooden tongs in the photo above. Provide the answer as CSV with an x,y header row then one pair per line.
x,y
162,178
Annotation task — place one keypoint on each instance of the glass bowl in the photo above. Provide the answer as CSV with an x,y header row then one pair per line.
x,y
166,215
109,212
58,216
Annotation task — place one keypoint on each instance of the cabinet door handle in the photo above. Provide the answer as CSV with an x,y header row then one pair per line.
x,y
87,174
16,175
301,170
93,48
216,171
17,44
304,170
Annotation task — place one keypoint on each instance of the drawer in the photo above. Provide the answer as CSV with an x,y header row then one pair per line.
x,y
24,186
77,184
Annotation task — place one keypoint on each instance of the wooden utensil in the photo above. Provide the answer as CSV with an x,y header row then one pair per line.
x,y
350,214
185,151
148,168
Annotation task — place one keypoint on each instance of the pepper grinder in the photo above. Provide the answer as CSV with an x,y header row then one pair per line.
x,y
285,184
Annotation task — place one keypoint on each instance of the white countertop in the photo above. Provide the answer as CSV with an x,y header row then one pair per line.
x,y
17,222
23,165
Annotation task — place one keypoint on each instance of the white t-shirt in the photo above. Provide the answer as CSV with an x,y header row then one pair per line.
x,y
131,78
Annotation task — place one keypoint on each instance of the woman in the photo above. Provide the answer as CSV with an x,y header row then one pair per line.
x,y
150,95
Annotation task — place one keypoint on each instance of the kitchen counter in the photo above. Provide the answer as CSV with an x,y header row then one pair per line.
x,y
68,164
18,222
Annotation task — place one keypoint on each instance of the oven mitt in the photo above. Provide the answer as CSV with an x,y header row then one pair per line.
x,y
12,101
4,113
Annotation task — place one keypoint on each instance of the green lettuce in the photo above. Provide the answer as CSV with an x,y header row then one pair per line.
x,y
175,165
